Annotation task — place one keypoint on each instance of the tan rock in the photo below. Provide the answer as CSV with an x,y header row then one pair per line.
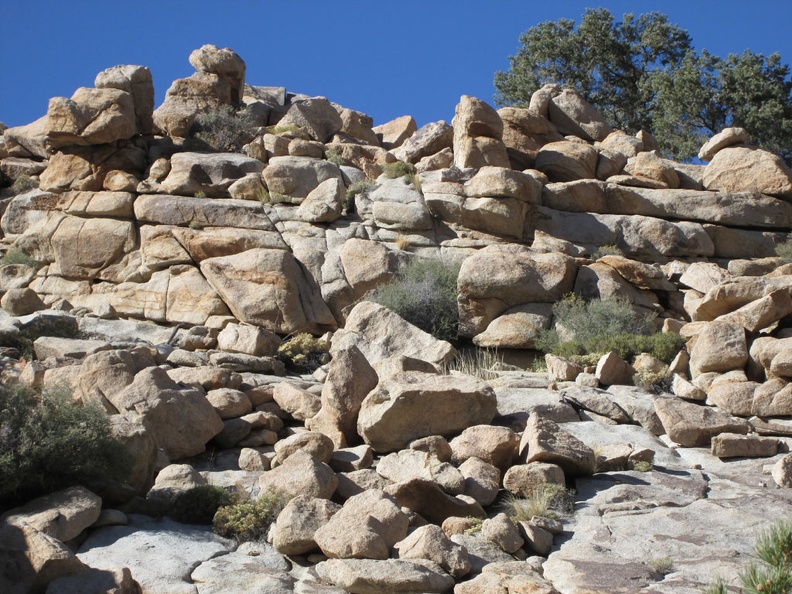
x,y
737,169
118,581
684,389
612,369
370,576
544,441
210,174
63,515
365,527
500,530
730,445
180,419
622,143
426,141
761,313
574,115
83,248
324,203
703,276
782,471
248,339
300,404
137,81
409,464
503,276
27,141
21,302
224,63
494,445
32,560
91,116
651,166
427,499
229,403
560,369
301,474
725,138
349,380
413,404
523,480
187,97
368,323
202,212
773,399
291,179
293,532
482,480
719,347
267,288
567,161
312,442
430,542
316,116
392,134
692,425
516,576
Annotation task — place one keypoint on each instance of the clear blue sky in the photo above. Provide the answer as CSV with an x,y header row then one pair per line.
x,y
384,58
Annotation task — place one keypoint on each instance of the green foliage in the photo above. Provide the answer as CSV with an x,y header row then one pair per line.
x,y
547,500
289,130
405,170
716,586
304,352
425,294
475,525
654,381
772,572
199,504
661,565
223,129
784,249
642,466
359,187
48,443
15,256
333,155
23,183
249,520
643,73
606,250
603,325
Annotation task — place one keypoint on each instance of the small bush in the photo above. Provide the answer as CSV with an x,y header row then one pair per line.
x,y
290,130
425,294
199,504
23,183
15,256
772,573
547,500
303,352
716,586
359,187
657,382
48,443
480,363
223,129
604,325
398,169
642,466
249,520
661,565
475,526
784,249
333,155
606,250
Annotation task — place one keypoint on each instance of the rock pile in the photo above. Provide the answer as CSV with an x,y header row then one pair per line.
x,y
183,270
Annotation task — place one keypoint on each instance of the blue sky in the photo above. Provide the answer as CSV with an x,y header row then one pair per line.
x,y
384,58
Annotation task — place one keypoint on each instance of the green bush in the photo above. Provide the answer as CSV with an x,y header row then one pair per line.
x,y
772,572
398,169
604,325
249,520
547,500
424,293
304,352
199,504
606,250
48,443
223,129
784,249
15,256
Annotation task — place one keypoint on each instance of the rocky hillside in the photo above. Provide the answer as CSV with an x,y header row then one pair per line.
x,y
156,260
